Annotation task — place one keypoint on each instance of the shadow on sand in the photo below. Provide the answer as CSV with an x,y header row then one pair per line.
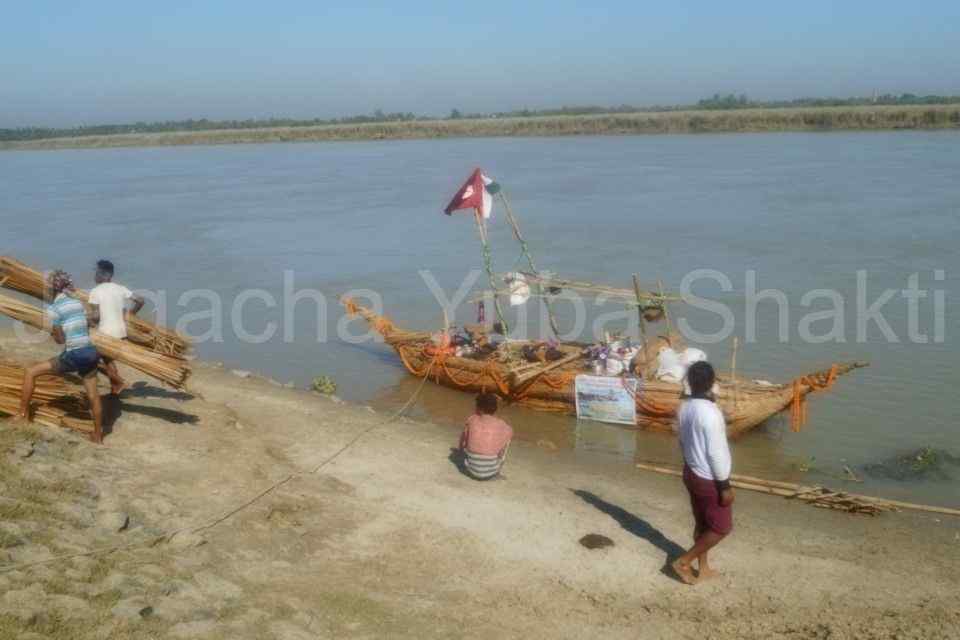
x,y
637,526
113,408
144,390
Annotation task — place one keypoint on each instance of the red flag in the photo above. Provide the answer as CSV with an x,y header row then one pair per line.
x,y
470,195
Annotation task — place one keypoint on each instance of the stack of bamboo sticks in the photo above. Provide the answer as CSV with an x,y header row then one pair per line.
x,y
55,404
48,388
19,277
169,369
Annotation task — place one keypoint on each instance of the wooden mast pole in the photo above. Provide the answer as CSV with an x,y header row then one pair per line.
x,y
733,370
666,313
512,219
640,319
488,265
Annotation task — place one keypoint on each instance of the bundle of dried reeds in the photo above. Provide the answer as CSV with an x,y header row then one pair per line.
x,y
171,370
68,413
55,403
19,277
47,388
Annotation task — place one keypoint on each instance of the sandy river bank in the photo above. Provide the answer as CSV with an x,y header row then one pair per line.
x,y
390,539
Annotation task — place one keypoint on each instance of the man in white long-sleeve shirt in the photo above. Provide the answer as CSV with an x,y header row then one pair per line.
x,y
706,472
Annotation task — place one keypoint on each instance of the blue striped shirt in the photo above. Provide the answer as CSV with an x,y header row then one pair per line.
x,y
69,314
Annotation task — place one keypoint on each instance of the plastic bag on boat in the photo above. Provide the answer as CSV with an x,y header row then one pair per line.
x,y
614,366
670,368
690,355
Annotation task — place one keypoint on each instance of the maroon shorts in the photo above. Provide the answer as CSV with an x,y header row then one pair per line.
x,y
705,501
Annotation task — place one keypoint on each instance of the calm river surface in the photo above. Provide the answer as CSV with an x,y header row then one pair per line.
x,y
804,211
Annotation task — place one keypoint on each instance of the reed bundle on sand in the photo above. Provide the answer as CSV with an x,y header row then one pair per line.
x,y
19,277
168,369
817,496
55,403
47,388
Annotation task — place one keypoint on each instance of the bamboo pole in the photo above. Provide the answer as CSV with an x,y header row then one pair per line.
x,y
526,252
666,313
733,371
792,490
488,265
628,296
641,321
524,377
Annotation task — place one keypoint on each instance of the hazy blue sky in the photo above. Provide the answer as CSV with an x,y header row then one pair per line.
x,y
108,61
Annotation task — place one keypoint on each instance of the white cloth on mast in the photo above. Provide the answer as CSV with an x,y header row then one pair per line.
x,y
487,209
518,288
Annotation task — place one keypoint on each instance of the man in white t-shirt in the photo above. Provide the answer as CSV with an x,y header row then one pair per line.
x,y
110,303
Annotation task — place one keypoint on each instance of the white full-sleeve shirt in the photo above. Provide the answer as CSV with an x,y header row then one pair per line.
x,y
703,439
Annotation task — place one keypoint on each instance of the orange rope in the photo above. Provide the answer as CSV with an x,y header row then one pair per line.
x,y
815,382
351,306
383,326
442,355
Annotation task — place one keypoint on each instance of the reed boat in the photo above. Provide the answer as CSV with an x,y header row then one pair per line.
x,y
746,404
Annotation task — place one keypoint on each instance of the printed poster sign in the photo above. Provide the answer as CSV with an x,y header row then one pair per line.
x,y
606,399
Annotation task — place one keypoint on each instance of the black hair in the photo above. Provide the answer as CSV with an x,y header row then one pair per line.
x,y
105,267
700,377
487,403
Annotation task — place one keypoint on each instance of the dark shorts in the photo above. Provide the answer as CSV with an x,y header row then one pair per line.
x,y
705,501
80,361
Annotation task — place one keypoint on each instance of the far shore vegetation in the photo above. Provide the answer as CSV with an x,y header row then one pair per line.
x,y
718,114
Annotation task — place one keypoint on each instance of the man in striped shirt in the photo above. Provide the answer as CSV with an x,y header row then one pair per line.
x,y
68,321
485,440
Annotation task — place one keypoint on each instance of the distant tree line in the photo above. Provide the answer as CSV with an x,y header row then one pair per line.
x,y
731,101
715,102
203,124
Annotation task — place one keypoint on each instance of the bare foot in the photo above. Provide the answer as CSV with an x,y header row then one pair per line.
x,y
118,388
706,574
20,415
96,437
684,571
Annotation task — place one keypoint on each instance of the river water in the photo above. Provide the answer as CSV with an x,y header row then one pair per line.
x,y
800,211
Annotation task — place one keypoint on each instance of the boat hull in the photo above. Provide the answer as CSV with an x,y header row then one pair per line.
x,y
745,404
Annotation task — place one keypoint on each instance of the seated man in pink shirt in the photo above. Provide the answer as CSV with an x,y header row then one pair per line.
x,y
485,440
